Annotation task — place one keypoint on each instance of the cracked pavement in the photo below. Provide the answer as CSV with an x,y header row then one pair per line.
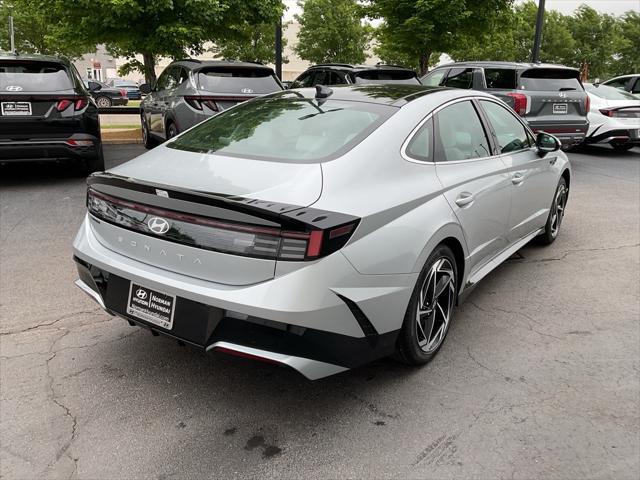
x,y
539,376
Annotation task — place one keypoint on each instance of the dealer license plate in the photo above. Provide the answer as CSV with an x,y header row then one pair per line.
x,y
151,305
16,108
560,108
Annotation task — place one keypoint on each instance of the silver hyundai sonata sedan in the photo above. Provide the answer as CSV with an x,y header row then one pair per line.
x,y
321,228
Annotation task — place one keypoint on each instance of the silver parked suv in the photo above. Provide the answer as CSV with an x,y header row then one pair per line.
x,y
551,98
189,91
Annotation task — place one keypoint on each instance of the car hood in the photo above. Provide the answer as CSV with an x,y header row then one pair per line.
x,y
278,182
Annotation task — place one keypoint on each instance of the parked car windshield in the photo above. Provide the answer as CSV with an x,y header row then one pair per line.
x,y
34,76
299,130
550,80
237,80
387,76
609,93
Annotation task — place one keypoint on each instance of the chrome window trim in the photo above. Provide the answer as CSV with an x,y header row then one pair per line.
x,y
405,144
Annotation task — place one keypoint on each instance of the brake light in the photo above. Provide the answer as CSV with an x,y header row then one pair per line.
x,y
62,105
587,104
81,103
607,112
197,102
123,92
223,236
519,103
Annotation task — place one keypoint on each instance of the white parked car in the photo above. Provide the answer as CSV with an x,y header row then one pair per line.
x,y
614,117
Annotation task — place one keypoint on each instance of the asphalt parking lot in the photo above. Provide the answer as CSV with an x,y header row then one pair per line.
x,y
539,377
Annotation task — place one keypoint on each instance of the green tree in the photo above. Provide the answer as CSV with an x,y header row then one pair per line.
x,y
332,31
170,28
627,45
250,43
38,30
417,29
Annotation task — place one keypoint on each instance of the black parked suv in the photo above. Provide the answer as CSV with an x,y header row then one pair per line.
x,y
550,97
190,91
344,74
46,113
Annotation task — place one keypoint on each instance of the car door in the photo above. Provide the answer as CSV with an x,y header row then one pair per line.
x,y
153,104
532,177
166,96
475,183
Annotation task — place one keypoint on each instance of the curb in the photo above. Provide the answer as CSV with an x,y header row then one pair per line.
x,y
123,141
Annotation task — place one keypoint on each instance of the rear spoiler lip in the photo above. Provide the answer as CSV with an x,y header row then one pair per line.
x,y
288,216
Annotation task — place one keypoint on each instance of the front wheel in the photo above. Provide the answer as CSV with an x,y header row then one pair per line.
x,y
430,309
148,141
556,214
103,102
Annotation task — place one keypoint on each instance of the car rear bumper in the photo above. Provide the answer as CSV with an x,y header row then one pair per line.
x,y
623,136
75,147
320,320
570,134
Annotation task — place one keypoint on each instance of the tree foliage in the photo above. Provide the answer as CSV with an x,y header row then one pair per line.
x,y
250,43
332,31
39,30
170,28
413,29
628,45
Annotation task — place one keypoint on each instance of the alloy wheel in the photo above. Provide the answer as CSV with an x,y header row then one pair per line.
x,y
103,102
435,305
558,209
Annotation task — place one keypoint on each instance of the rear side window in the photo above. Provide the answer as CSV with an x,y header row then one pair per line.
x,y
510,133
235,80
500,78
550,80
34,76
387,76
285,128
459,78
460,134
421,145
434,78
609,93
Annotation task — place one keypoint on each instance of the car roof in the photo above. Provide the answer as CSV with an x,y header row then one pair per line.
x,y
515,65
360,68
33,57
630,75
197,64
395,95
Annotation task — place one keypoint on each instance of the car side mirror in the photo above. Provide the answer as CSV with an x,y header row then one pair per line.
x,y
547,143
145,88
94,87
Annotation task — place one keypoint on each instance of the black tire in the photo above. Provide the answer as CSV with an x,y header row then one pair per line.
x,y
148,141
556,214
622,147
103,102
414,347
172,130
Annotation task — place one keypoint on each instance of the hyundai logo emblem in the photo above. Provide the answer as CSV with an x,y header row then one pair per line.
x,y
141,294
158,225
562,95
246,90
14,88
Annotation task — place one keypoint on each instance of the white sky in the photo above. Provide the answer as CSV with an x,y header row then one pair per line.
x,y
615,7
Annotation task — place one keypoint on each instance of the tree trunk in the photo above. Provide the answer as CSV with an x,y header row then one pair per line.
x,y
149,67
424,63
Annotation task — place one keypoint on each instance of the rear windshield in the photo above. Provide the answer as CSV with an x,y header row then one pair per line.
x,y
33,76
500,78
609,93
387,76
287,129
237,80
550,80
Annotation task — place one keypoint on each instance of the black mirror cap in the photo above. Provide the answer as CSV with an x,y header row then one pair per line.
x,y
547,143
145,88
94,86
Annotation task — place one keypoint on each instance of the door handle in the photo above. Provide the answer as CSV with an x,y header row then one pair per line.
x,y
517,178
464,199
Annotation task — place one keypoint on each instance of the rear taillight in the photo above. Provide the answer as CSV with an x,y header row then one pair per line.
x,y
123,92
78,103
607,112
197,102
218,235
587,104
519,103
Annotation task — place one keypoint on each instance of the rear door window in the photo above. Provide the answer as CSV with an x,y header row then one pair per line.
x,y
459,78
550,80
460,134
34,76
387,76
237,80
500,78
510,133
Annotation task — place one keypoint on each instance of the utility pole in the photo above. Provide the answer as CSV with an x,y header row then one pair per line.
x,y
279,48
535,54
